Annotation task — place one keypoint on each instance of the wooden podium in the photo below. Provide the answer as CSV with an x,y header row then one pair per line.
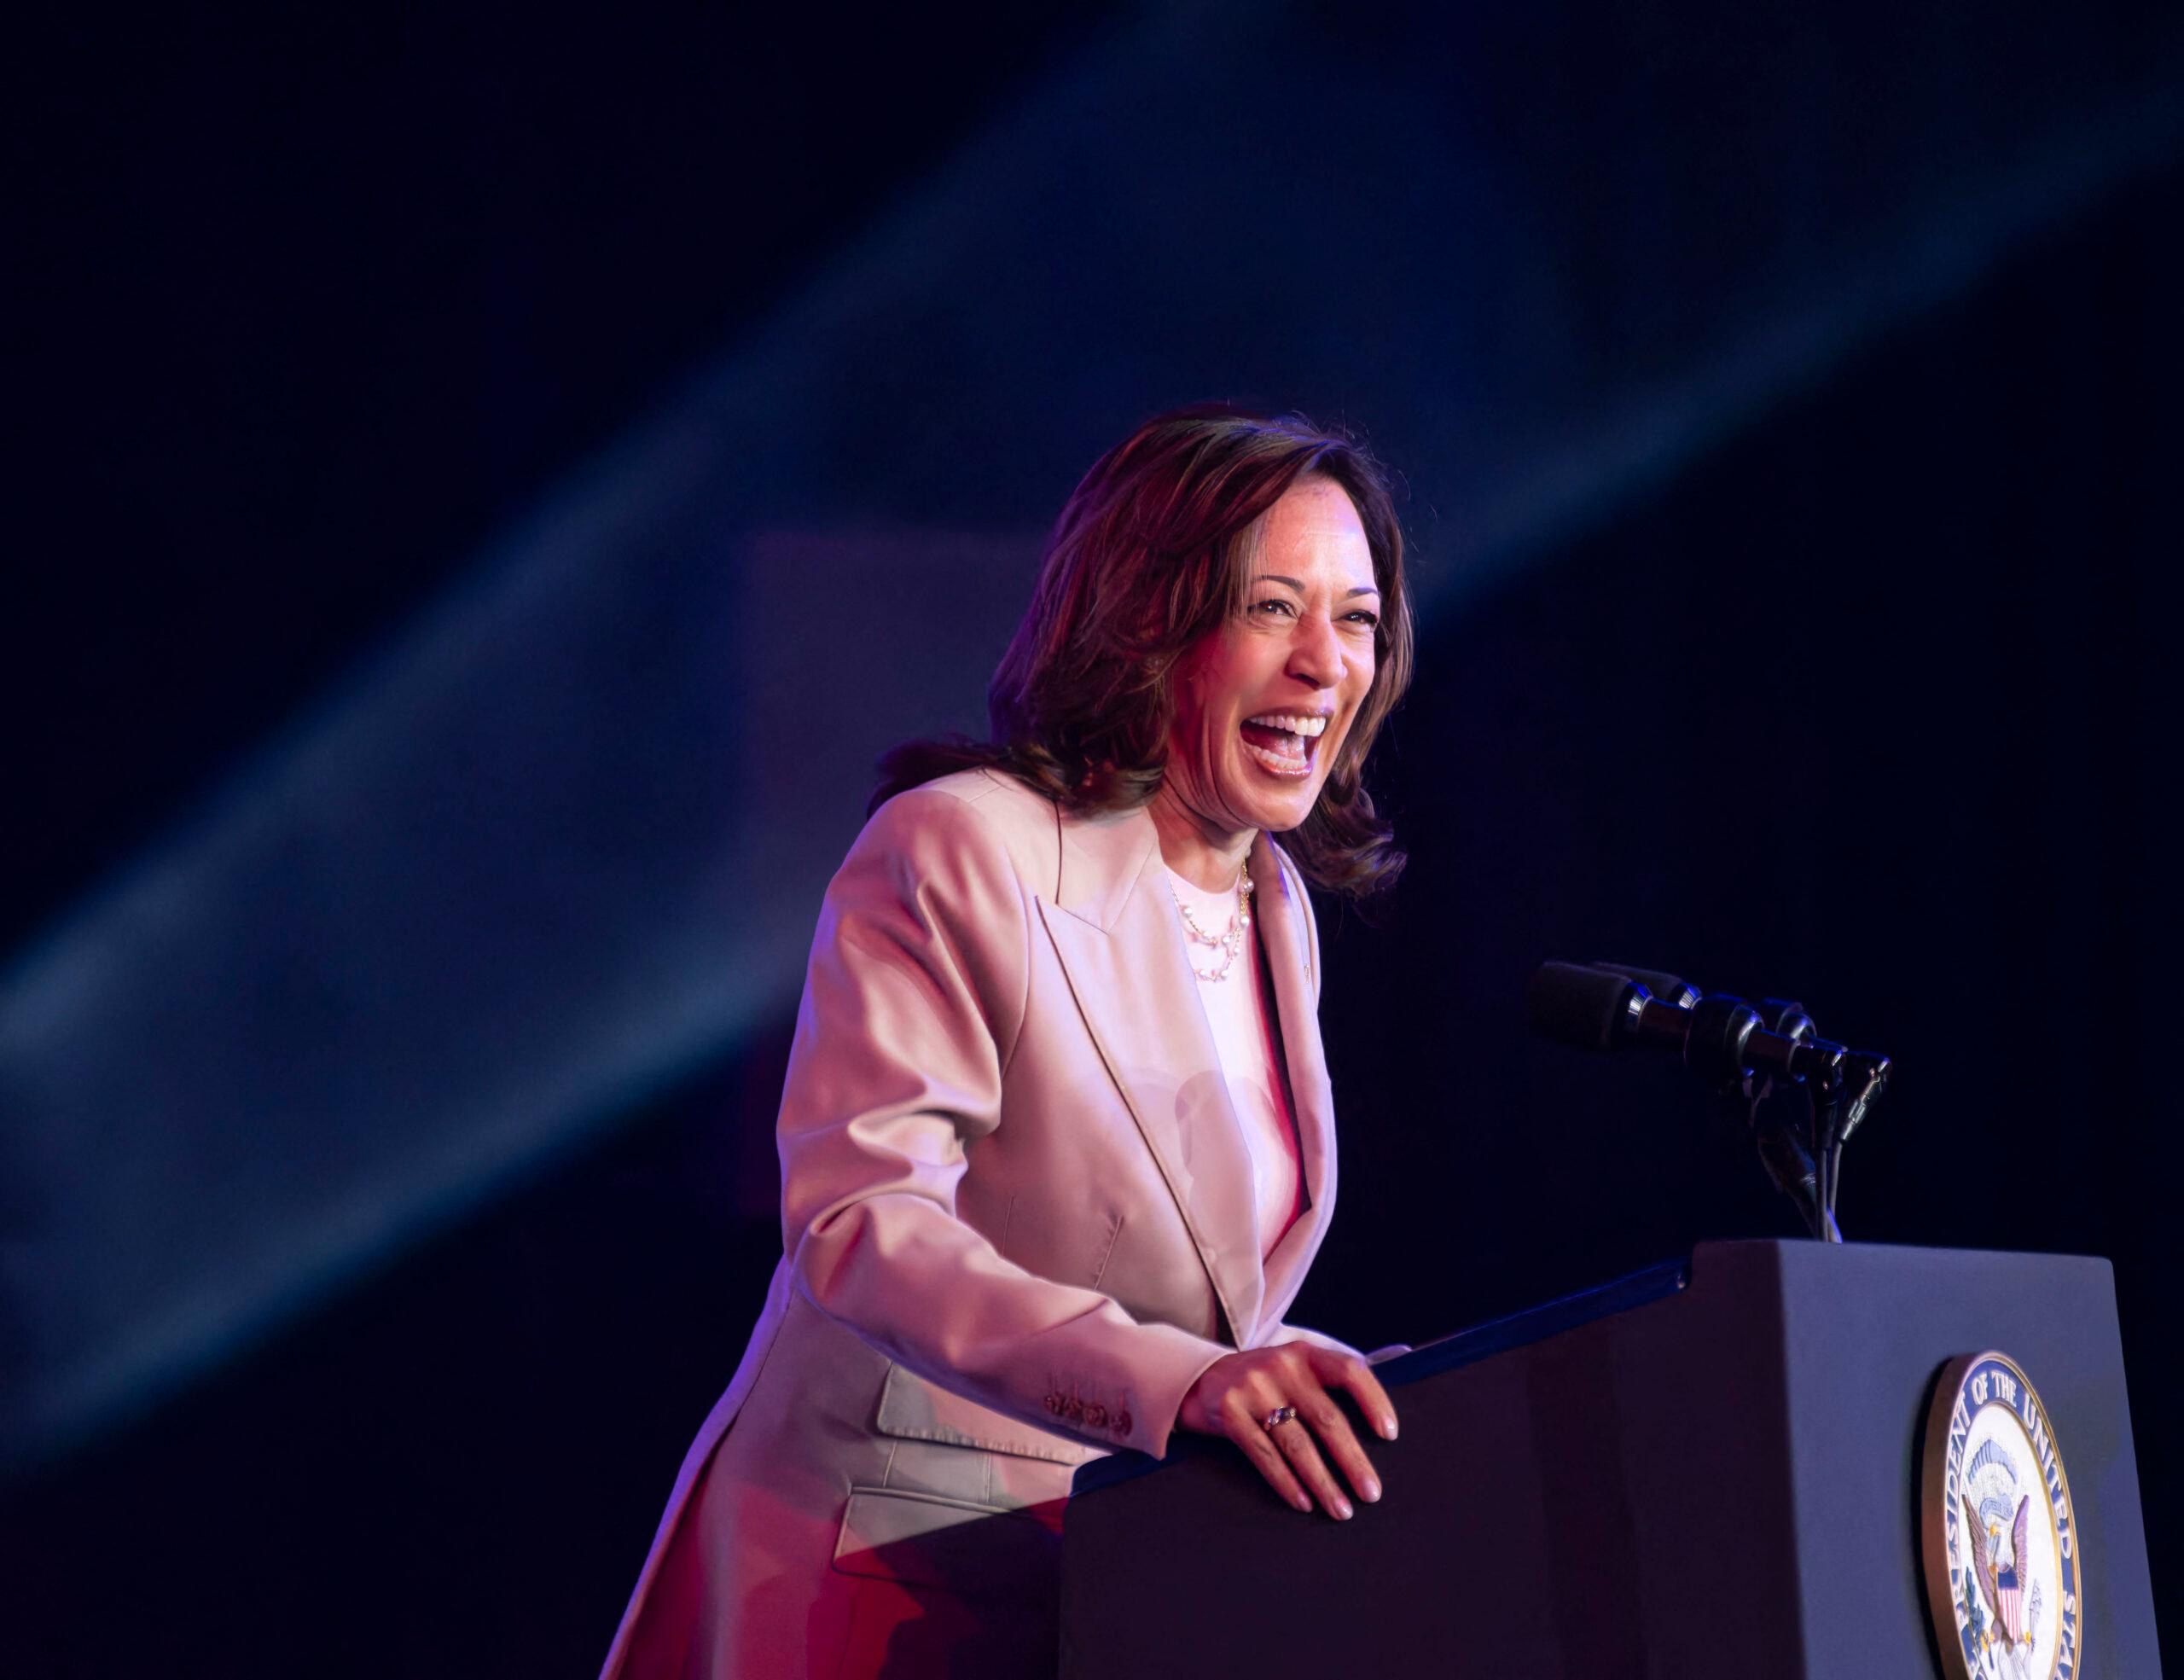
x,y
1707,1469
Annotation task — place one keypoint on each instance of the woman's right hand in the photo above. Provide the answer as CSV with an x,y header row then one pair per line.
x,y
1235,1395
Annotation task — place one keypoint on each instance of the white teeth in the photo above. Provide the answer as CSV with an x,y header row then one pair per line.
x,y
1293,725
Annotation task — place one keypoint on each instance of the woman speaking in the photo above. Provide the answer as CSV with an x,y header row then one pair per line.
x,y
1057,1144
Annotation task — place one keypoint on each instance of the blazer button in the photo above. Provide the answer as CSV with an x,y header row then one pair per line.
x,y
1122,1423
1096,1416
1055,1405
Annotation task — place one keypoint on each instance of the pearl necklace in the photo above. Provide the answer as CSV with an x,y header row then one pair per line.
x,y
1230,940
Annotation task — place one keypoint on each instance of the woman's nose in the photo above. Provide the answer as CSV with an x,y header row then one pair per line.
x,y
1316,655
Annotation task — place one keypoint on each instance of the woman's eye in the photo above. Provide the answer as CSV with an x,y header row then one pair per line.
x,y
1274,604
1370,620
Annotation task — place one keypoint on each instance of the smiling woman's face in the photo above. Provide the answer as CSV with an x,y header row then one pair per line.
x,y
1263,703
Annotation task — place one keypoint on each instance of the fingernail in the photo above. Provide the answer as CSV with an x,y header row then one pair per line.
x,y
1371,1490
1388,1427
1301,1502
1342,1508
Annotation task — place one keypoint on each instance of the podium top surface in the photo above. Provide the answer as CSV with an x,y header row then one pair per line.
x,y
1798,1263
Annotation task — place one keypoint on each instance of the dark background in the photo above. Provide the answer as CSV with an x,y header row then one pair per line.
x,y
488,483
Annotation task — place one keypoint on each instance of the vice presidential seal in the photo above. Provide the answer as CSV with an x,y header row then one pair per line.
x,y
1995,1526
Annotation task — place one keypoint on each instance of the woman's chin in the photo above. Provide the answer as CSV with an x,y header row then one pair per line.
x,y
1278,804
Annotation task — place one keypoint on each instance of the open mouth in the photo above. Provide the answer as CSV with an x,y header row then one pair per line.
x,y
1283,743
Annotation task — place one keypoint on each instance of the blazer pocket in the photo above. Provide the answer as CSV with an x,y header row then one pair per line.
x,y
913,1410
923,1540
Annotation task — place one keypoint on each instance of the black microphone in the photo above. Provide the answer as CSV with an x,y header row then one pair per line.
x,y
1605,1009
1604,1006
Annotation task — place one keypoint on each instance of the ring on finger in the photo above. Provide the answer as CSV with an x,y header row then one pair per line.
x,y
1280,1415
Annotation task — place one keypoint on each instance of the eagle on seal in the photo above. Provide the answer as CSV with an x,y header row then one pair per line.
x,y
1999,1574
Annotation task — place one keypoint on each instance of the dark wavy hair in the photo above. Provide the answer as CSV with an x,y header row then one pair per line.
x,y
1152,552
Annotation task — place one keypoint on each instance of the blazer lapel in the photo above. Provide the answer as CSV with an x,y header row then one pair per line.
x,y
1284,935
1120,941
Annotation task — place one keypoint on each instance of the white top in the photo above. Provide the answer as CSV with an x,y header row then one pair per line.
x,y
1241,1016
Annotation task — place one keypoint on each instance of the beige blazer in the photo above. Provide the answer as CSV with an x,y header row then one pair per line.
x,y
1017,1224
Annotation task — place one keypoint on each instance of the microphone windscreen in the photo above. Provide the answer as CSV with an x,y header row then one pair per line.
x,y
1577,1006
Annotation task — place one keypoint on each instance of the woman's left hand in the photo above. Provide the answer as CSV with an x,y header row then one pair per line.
x,y
1235,1396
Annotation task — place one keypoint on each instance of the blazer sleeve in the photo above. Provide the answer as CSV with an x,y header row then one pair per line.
x,y
913,1002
